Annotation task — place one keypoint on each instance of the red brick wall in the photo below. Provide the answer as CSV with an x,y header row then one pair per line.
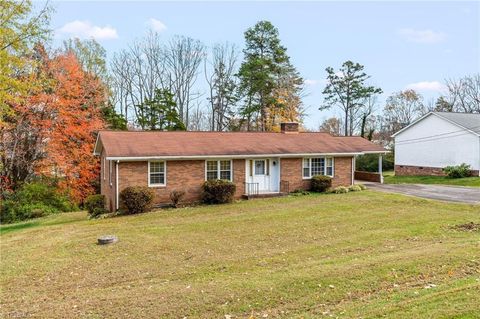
x,y
406,170
343,171
181,175
105,187
190,175
291,171
368,176
239,176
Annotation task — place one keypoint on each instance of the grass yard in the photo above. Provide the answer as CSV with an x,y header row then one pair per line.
x,y
354,255
390,178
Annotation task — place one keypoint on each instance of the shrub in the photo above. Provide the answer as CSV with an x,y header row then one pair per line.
x,y
32,200
136,199
320,183
300,192
340,190
354,188
459,171
218,191
362,186
95,205
176,197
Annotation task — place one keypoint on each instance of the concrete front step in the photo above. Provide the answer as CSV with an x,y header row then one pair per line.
x,y
263,195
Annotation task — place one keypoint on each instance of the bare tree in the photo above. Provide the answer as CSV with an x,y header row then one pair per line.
x,y
332,126
220,72
136,73
199,118
183,57
402,108
361,117
464,94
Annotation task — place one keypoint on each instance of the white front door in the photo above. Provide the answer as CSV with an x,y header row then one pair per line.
x,y
265,174
261,175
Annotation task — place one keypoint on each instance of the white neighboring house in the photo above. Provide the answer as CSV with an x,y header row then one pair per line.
x,y
436,140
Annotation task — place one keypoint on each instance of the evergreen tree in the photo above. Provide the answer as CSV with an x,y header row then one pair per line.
x,y
262,75
348,90
160,113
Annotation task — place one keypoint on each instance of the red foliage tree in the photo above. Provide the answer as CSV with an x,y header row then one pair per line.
x,y
79,98
51,130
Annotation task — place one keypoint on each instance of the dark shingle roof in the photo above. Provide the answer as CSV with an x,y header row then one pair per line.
x,y
147,144
469,121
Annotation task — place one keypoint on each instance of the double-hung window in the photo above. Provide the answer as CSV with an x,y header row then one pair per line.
x,y
317,166
221,169
156,173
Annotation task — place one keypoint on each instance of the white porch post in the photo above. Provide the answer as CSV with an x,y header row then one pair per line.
x,y
116,186
380,169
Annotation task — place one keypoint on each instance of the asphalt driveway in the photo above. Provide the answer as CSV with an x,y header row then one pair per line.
x,y
469,195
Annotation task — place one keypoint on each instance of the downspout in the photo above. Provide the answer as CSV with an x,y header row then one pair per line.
x,y
353,168
380,168
116,185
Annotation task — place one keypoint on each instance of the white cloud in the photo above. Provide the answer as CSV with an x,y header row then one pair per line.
x,y
85,29
426,86
156,25
311,82
422,36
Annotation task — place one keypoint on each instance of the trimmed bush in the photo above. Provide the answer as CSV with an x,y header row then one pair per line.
x,y
362,186
95,205
218,191
320,183
176,197
354,188
340,190
300,192
136,199
459,171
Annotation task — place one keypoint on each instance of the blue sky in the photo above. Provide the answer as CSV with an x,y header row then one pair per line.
x,y
402,44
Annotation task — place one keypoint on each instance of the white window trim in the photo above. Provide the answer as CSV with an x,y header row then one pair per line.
x,y
324,166
218,168
164,173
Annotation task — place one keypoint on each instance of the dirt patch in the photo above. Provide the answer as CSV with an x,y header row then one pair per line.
x,y
467,227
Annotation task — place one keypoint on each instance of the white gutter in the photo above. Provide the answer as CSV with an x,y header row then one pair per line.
x,y
234,156
116,185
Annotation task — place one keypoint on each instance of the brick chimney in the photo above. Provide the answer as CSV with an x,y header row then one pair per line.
x,y
289,127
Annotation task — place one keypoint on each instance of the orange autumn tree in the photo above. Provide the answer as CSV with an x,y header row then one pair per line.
x,y
79,98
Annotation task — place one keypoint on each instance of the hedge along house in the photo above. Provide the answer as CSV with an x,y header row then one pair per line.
x,y
259,163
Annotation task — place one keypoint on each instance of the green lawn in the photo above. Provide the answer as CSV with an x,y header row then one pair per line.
x,y
364,254
390,178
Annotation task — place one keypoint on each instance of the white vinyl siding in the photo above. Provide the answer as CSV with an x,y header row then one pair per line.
x,y
318,166
156,173
221,169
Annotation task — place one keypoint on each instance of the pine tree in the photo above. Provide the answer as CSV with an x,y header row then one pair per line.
x,y
263,75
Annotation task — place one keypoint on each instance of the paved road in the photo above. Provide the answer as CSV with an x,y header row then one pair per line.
x,y
470,195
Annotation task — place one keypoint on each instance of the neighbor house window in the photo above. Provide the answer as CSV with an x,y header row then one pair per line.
x,y
221,169
156,173
317,166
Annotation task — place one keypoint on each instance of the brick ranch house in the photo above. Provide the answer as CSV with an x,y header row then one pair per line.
x,y
257,162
